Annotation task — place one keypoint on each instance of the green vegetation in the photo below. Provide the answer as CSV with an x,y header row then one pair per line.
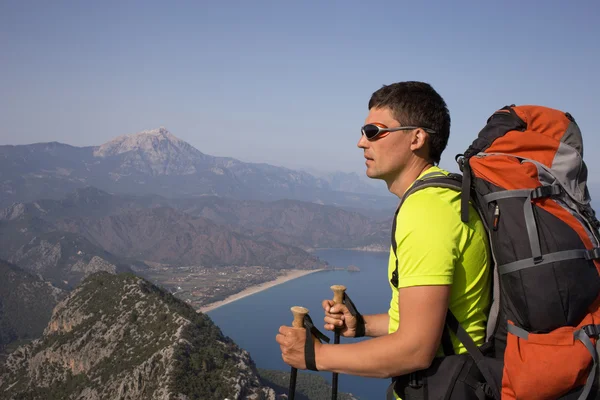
x,y
202,366
26,304
309,386
58,390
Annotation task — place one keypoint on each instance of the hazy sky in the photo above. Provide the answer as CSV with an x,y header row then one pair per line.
x,y
286,82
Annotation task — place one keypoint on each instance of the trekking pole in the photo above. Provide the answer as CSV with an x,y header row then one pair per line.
x,y
299,313
338,298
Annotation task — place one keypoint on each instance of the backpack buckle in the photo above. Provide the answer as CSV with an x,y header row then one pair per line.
x,y
593,331
415,380
546,191
591,216
593,254
394,280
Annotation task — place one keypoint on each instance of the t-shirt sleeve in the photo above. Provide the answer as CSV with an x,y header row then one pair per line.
x,y
427,235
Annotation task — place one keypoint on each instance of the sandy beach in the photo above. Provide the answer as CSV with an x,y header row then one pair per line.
x,y
291,274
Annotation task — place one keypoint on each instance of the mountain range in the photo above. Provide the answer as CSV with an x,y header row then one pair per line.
x,y
157,162
89,230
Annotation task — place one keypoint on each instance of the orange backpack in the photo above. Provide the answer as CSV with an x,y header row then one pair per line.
x,y
526,176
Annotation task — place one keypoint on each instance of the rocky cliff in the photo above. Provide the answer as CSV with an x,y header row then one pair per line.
x,y
120,337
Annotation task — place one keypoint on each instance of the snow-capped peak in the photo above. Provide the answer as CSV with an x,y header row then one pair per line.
x,y
156,150
148,140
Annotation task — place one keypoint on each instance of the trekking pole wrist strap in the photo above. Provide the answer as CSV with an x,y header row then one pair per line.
x,y
309,345
360,320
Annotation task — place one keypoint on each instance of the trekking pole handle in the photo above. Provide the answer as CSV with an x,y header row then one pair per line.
x,y
338,293
299,313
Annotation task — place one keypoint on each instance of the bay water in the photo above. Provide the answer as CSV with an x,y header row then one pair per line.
x,y
253,322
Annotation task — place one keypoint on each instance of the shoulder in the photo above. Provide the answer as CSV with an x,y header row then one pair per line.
x,y
430,205
432,202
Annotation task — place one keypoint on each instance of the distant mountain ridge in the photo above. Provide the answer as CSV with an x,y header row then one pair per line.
x,y
62,258
291,222
303,224
90,230
169,236
351,182
157,162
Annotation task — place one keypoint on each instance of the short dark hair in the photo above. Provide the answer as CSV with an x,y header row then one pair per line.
x,y
418,104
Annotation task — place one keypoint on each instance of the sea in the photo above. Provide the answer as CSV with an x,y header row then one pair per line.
x,y
253,322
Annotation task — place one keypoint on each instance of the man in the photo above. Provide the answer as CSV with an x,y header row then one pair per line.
x,y
442,263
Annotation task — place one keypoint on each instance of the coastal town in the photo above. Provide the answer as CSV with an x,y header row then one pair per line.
x,y
206,288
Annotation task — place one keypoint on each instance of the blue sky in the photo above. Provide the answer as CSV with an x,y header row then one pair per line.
x,y
286,82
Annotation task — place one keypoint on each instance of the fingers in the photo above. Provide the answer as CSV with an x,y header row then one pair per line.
x,y
291,343
334,315
338,309
326,304
287,331
334,312
337,319
332,327
284,329
334,321
331,308
279,338
285,339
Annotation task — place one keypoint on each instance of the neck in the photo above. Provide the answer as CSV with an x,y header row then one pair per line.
x,y
400,184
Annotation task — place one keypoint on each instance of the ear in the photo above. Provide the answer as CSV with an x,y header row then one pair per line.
x,y
419,140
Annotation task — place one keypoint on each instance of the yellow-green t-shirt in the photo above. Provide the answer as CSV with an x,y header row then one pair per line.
x,y
434,247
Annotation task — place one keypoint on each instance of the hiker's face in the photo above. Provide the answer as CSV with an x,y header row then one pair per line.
x,y
387,154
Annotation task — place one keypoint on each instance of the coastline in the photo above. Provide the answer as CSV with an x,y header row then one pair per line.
x,y
292,274
371,249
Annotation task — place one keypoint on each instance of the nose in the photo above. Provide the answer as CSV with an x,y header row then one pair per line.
x,y
362,142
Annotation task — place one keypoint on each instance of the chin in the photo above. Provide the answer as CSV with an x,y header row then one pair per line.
x,y
373,174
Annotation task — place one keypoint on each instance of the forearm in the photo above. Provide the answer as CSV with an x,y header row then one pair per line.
x,y
412,347
376,325
382,357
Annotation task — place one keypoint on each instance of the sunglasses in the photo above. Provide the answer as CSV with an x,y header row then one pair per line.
x,y
372,131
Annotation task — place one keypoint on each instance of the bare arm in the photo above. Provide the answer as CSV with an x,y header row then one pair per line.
x,y
412,347
376,324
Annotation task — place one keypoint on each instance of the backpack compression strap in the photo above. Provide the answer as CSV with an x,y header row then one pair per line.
x,y
532,232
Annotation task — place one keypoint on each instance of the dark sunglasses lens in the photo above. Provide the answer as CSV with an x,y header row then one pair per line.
x,y
370,131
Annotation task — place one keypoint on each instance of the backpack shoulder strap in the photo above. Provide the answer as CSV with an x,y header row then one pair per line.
x,y
432,179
